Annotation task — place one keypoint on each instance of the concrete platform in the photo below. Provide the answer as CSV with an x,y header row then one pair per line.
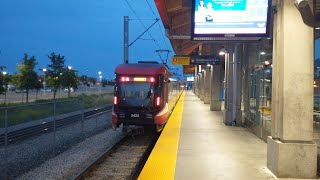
x,y
205,148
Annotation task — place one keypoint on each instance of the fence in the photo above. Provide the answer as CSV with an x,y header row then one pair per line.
x,y
30,134
20,96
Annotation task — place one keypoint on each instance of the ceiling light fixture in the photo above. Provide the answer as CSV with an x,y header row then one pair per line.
x,y
222,51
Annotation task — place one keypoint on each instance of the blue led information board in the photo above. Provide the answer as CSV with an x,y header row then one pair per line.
x,y
230,18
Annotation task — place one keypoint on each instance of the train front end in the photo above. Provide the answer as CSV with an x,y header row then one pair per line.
x,y
139,100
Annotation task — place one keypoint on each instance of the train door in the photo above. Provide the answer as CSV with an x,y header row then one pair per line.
x,y
162,89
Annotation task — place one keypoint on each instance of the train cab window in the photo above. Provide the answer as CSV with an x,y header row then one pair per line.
x,y
136,94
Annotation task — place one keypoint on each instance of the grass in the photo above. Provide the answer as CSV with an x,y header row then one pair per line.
x,y
18,113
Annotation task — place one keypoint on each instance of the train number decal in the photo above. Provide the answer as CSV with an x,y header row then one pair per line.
x,y
134,115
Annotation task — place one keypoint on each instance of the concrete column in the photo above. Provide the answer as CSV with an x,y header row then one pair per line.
x,y
232,112
237,85
199,81
207,78
194,87
202,84
198,86
228,118
291,150
215,83
201,90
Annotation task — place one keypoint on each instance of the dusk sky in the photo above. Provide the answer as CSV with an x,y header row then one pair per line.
x,y
89,33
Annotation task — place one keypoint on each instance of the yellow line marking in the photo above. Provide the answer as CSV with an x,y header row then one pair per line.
x,y
161,163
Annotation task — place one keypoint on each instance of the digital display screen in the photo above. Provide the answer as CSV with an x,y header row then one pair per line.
x,y
230,18
190,79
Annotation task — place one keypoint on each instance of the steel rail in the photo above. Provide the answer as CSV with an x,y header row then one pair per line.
x,y
97,161
121,148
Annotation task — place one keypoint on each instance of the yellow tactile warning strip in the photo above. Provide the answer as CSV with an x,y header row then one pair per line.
x,y
161,163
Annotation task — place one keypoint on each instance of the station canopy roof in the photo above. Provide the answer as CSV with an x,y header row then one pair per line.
x,y
317,18
176,18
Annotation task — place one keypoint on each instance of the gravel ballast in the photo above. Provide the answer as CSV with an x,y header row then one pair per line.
x,y
72,161
21,158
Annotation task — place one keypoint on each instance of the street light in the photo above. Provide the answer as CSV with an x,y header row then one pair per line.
x,y
5,92
69,67
44,70
100,77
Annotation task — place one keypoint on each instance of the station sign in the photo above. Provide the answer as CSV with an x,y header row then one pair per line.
x,y
180,60
204,60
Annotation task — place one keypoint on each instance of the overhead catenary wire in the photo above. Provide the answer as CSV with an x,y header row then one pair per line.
x,y
142,23
151,9
164,40
144,32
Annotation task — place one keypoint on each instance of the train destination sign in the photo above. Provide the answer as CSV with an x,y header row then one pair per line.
x,y
180,60
204,60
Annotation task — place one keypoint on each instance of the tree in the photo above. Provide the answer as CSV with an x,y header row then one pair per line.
x,y
54,72
2,81
27,78
69,79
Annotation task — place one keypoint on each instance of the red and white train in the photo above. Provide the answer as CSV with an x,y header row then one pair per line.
x,y
144,95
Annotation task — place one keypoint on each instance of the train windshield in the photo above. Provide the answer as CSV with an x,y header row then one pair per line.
x,y
136,94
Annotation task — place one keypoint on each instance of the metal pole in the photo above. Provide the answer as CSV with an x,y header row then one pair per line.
x,y
126,39
44,84
6,142
54,127
82,114
234,84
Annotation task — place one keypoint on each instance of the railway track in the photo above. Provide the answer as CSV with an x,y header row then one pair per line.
x,y
122,161
31,131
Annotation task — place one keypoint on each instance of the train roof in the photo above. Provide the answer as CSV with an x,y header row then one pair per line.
x,y
141,69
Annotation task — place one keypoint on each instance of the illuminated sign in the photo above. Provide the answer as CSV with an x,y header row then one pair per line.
x,y
180,60
140,79
230,19
190,79
205,60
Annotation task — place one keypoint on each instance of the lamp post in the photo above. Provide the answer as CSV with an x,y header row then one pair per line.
x,y
69,84
44,70
5,91
100,77
99,73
